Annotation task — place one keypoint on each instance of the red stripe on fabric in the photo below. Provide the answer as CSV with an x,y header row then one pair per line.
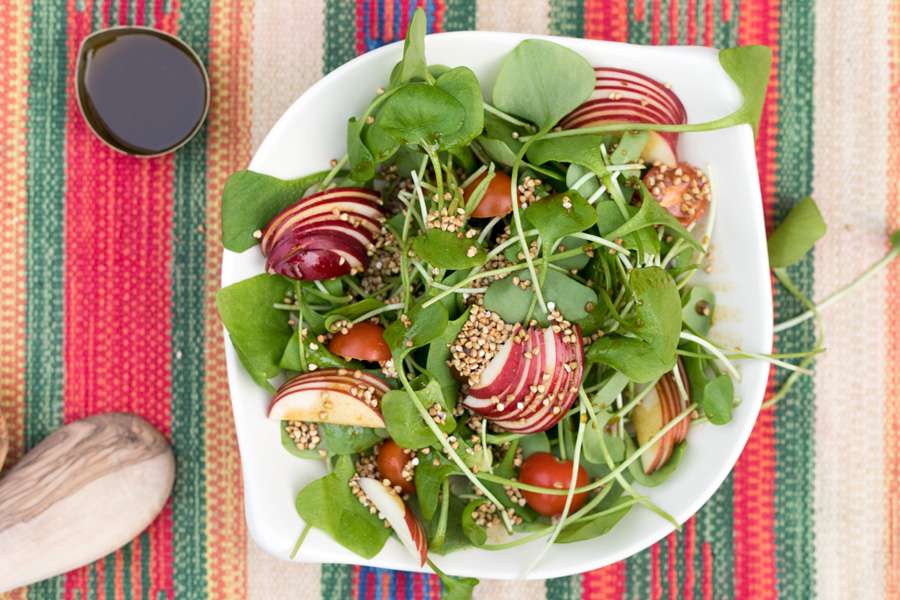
x,y
672,541
673,22
404,17
388,21
607,583
691,22
418,586
399,581
690,539
360,27
708,23
137,583
640,9
755,574
354,581
655,21
123,12
606,20
373,19
118,230
440,9
655,584
707,571
139,7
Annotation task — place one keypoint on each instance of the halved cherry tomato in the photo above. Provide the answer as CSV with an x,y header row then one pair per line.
x,y
364,341
682,190
391,461
545,470
496,201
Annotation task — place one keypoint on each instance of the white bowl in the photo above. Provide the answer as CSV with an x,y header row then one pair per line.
x,y
311,133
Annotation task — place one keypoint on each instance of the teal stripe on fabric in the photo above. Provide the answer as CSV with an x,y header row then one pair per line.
x,y
145,566
336,582
44,243
188,317
563,588
567,17
795,413
340,33
459,15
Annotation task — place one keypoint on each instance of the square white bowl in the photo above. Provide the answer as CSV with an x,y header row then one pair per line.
x,y
312,132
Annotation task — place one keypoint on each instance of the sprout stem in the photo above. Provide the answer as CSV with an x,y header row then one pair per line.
x,y
508,118
377,311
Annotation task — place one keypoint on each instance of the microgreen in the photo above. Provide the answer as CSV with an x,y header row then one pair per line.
x,y
651,214
796,235
439,353
571,298
404,423
419,113
559,215
429,478
361,160
462,85
413,65
427,323
250,200
446,250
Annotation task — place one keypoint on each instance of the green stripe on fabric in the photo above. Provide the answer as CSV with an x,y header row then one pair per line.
x,y
127,558
44,243
459,15
563,588
340,33
795,413
188,270
145,566
336,582
567,17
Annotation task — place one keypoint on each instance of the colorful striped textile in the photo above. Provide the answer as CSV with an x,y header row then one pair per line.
x,y
109,264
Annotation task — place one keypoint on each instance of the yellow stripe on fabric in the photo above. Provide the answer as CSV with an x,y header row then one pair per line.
x,y
288,44
14,64
851,102
228,149
526,17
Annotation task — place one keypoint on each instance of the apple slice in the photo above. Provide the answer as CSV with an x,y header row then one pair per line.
x,y
530,369
503,370
392,508
326,397
658,150
648,417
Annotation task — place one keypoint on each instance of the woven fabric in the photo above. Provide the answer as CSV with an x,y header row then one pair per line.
x,y
109,264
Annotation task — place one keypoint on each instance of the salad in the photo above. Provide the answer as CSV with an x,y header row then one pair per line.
x,y
483,318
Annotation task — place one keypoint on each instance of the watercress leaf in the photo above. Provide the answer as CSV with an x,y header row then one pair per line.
x,y
439,354
796,235
457,588
652,214
536,442
573,262
661,474
381,144
698,310
250,200
609,218
362,164
404,423
717,399
497,151
426,325
288,444
351,312
581,150
574,175
413,65
542,82
658,310
420,113
428,479
503,131
559,215
749,68
258,331
329,505
443,249
597,526
594,438
349,439
316,354
511,302
474,532
462,84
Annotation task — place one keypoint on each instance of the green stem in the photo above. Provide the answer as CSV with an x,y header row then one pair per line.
x,y
658,127
333,172
440,533
517,220
508,118
300,539
438,173
298,292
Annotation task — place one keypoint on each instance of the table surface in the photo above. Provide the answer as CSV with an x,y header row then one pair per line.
x,y
109,266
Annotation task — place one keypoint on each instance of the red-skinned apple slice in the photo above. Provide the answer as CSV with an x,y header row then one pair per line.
x,y
391,507
551,355
346,376
355,196
312,265
648,417
503,370
326,397
496,406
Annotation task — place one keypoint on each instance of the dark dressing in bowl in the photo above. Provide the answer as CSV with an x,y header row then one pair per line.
x,y
142,91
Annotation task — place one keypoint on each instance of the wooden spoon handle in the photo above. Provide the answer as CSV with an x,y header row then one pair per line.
x,y
83,492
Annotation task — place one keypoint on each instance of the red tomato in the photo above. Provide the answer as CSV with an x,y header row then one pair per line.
x,y
364,341
391,461
496,201
545,470
684,190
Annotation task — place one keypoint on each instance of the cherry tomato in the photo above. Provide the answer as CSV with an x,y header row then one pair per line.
x,y
545,470
683,190
364,341
496,201
391,461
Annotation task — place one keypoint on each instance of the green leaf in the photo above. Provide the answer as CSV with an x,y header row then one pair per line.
x,y
698,311
652,353
798,233
349,439
329,505
574,174
319,356
426,325
609,218
573,262
652,214
439,354
583,150
455,588
661,474
554,220
462,84
381,144
542,82
597,526
362,163
595,437
443,249
404,423
474,532
413,66
511,302
288,444
497,151
258,331
717,399
629,148
419,113
351,312
428,479
251,200
536,442
749,68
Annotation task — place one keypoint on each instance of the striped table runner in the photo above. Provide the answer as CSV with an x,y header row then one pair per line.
x,y
108,267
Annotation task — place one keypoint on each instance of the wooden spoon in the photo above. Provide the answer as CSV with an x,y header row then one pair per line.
x,y
83,492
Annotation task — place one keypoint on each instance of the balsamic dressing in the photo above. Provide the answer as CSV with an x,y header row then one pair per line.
x,y
142,91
